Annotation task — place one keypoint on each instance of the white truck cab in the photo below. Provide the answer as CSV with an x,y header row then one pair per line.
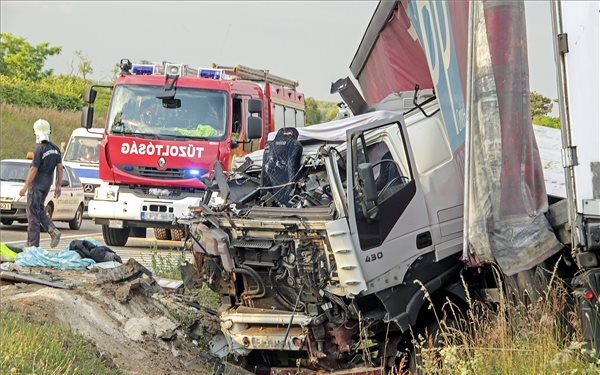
x,y
82,154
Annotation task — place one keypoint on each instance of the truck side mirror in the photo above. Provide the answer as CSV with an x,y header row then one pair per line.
x,y
254,130
90,95
87,116
255,106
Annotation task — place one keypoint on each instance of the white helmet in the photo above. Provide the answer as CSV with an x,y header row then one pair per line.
x,y
41,129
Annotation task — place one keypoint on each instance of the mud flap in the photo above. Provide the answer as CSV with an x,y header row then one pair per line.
x,y
588,307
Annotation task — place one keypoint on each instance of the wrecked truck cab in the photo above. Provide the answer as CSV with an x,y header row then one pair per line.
x,y
298,277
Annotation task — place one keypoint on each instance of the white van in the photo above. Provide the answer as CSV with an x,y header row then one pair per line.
x,y
82,154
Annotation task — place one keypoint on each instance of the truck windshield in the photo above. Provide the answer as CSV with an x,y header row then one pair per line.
x,y
83,149
135,110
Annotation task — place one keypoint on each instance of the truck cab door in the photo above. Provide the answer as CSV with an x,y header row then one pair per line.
x,y
391,228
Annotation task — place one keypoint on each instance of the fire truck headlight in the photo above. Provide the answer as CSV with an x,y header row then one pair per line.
x,y
107,193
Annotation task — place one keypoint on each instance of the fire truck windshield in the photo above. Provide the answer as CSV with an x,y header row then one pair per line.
x,y
135,110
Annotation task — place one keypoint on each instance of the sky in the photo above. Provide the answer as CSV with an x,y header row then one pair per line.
x,y
309,41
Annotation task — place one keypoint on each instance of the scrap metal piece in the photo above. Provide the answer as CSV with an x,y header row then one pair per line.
x,y
130,270
13,276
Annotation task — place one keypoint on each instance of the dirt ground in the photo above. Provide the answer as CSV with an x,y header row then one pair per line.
x,y
131,321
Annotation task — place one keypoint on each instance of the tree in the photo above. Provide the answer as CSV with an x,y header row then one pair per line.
x,y
22,60
313,115
540,105
85,66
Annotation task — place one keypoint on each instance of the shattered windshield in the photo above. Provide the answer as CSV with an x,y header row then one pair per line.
x,y
135,110
83,149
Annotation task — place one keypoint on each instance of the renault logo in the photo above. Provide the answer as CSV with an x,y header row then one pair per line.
x,y
88,188
161,162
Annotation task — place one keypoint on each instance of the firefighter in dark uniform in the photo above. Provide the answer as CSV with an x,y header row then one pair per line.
x,y
46,158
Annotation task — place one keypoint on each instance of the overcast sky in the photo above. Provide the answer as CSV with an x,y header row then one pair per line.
x,y
309,41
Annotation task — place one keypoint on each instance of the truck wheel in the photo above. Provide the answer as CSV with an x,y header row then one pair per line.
x,y
7,221
177,234
425,358
75,223
162,234
425,355
115,236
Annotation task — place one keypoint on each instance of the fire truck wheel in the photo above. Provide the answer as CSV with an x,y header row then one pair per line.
x,y
177,234
115,236
162,234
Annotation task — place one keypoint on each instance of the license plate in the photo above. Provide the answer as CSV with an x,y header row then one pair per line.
x,y
5,206
115,223
158,216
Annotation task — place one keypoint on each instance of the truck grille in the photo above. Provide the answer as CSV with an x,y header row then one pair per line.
x,y
152,172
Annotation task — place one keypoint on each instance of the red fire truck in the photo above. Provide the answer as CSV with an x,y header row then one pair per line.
x,y
167,125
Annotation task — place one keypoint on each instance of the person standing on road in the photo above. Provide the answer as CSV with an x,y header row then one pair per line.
x,y
46,158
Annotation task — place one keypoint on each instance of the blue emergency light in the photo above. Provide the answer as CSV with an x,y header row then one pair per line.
x,y
194,173
210,73
143,69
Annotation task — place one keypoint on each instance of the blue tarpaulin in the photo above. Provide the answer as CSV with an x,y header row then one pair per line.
x,y
65,260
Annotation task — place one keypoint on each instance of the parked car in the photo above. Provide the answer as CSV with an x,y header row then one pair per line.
x,y
68,207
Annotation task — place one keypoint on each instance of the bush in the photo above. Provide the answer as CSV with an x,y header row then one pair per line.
x,y
38,94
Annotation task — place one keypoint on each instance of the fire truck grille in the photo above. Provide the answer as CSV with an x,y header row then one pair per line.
x,y
151,172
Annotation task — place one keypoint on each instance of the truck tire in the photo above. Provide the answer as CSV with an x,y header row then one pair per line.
x,y
7,221
75,223
162,234
115,236
177,234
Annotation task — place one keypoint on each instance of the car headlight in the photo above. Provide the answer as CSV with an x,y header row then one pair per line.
x,y
107,193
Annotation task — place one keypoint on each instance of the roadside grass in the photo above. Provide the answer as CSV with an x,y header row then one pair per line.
x,y
510,338
16,128
41,348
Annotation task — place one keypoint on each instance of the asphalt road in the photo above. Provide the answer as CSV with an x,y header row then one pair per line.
x,y
142,249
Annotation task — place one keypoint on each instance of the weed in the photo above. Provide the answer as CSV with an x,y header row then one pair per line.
x,y
166,264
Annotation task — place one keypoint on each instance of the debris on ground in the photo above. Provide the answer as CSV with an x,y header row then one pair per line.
x,y
123,310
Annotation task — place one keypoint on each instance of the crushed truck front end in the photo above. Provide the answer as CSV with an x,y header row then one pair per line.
x,y
332,271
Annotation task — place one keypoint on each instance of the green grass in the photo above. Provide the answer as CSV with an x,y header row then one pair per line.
x,y
16,128
41,348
